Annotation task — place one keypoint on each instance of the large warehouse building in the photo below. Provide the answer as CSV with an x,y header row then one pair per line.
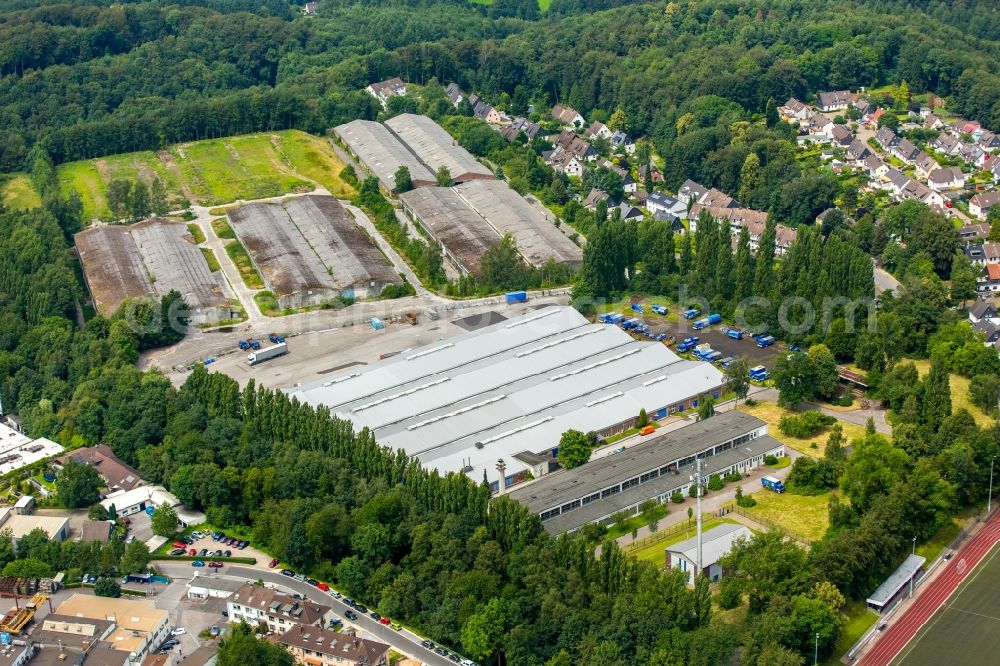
x,y
436,148
149,258
468,218
382,153
595,491
508,392
309,250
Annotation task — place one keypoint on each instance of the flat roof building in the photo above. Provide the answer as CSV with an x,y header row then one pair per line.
x,y
309,250
17,450
137,626
20,524
593,492
212,587
382,153
463,403
436,148
127,502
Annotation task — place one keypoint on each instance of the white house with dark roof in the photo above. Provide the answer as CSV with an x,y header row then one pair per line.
x,y
835,100
981,203
383,90
793,110
568,116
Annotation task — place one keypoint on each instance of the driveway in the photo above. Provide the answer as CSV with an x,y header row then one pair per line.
x,y
404,641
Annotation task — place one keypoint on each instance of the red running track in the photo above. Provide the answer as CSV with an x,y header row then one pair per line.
x,y
933,595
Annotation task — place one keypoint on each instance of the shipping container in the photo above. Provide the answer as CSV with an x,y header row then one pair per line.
x,y
516,297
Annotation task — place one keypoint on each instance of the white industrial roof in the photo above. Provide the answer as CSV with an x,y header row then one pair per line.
x,y
435,147
18,450
508,388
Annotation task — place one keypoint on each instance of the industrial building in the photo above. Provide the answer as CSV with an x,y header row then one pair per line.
x,y
382,153
436,148
507,392
309,250
127,502
17,450
149,258
467,219
595,491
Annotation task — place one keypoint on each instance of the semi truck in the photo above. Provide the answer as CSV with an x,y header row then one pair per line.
x,y
516,297
630,323
267,353
611,318
700,324
773,483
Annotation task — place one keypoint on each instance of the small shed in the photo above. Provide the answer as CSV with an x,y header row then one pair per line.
x,y
885,597
24,505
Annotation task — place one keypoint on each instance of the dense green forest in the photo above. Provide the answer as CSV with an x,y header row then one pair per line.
x,y
86,78
94,78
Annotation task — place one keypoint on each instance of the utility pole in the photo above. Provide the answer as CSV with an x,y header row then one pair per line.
x,y
698,481
816,651
989,497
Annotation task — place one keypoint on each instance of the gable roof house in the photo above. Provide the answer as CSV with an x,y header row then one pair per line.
x,y
989,140
518,125
656,174
598,130
622,143
876,167
946,178
716,544
256,604
925,164
990,282
895,181
754,220
455,94
834,100
932,121
973,154
718,198
485,111
947,144
691,191
841,136
886,138
818,128
980,204
383,90
116,474
905,151
568,116
629,212
858,151
578,146
983,309
793,109
596,195
314,646
974,232
564,162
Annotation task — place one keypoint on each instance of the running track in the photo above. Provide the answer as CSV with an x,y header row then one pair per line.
x,y
933,596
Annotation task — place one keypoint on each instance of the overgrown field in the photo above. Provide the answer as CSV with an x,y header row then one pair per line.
x,y
213,172
17,193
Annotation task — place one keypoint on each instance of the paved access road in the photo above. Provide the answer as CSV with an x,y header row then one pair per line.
x,y
905,627
404,641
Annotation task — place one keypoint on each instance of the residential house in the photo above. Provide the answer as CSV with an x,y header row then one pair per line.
x,y
116,474
861,105
947,144
991,252
896,180
324,647
309,9
715,544
657,203
858,150
989,140
567,116
992,165
990,331
714,197
876,167
925,164
518,125
629,212
974,252
991,281
256,604
578,146
833,101
455,94
794,110
871,118
983,310
905,151
485,111
914,189
596,195
841,136
932,121
886,138
621,143
96,530
970,127
383,90
754,220
691,192
819,128
974,232
564,162
598,130
655,174
980,203
946,178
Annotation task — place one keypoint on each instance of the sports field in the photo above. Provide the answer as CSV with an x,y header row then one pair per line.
x,y
965,628
215,171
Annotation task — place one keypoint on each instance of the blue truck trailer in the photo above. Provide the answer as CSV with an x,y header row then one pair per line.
x,y
773,483
714,319
516,297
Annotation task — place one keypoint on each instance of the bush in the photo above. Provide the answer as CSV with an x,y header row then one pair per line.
x,y
811,477
744,501
715,482
845,400
107,587
750,402
806,424
770,460
677,497
693,491
348,176
398,290
730,595
733,477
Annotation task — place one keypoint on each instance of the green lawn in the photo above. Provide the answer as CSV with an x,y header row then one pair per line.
x,y
654,551
18,193
783,461
246,268
635,522
804,517
959,393
211,172
771,413
197,235
267,303
211,259
220,226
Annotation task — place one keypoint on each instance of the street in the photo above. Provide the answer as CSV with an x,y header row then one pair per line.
x,y
404,641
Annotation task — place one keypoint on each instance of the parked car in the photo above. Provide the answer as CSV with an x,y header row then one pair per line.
x,y
300,577
361,609
217,553
204,552
227,553
428,644
375,616
323,587
454,657
312,581
243,544
198,563
178,551
179,631
287,572
270,565
385,621
348,601
350,615
179,544
441,651
395,626
215,564
193,552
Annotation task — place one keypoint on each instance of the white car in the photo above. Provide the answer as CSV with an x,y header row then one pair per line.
x,y
179,631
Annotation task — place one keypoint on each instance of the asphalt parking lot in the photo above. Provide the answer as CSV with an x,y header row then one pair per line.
x,y
209,544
